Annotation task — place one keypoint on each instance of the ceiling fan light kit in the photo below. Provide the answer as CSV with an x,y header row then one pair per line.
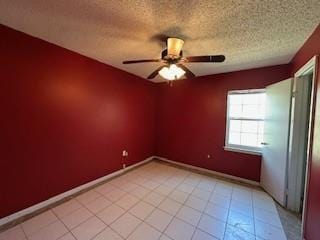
x,y
172,72
172,58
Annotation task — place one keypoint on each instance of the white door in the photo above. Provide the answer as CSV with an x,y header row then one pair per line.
x,y
276,140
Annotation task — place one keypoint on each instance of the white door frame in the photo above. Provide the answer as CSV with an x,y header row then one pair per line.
x,y
299,123
309,67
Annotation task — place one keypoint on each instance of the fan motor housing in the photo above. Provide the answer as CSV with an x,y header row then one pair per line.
x,y
165,56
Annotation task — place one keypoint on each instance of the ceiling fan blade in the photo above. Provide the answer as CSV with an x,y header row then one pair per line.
x,y
141,61
155,73
209,58
188,73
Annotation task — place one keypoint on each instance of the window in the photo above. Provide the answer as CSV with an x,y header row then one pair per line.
x,y
245,120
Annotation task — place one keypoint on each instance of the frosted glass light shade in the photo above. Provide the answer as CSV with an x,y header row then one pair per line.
x,y
172,72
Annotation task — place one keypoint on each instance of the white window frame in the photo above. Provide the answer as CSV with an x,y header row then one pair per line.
x,y
235,147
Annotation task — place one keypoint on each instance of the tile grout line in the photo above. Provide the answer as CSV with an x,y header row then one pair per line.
x,y
203,213
196,227
253,217
23,231
225,230
69,231
33,233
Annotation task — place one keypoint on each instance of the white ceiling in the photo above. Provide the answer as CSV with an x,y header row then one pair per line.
x,y
250,33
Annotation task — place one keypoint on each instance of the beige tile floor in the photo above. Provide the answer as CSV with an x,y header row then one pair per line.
x,y
157,201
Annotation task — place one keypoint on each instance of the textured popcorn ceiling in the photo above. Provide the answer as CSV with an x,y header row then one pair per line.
x,y
251,33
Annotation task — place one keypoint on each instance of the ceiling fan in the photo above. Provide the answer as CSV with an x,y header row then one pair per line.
x,y
172,61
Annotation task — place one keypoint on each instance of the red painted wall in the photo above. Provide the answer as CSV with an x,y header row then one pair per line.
x,y
64,120
191,120
312,224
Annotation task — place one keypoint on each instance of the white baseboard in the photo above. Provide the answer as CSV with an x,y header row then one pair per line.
x,y
69,193
210,171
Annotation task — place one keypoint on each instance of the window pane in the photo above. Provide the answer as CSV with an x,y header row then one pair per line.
x,y
249,126
234,138
249,139
261,112
261,127
235,125
235,111
250,98
260,140
250,111
235,99
262,99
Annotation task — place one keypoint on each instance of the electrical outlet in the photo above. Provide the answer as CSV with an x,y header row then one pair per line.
x,y
124,153
123,166
208,156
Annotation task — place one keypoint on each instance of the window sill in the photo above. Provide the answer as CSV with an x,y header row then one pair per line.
x,y
247,151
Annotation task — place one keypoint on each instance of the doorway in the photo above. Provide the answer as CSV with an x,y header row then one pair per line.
x,y
300,164
287,139
299,140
